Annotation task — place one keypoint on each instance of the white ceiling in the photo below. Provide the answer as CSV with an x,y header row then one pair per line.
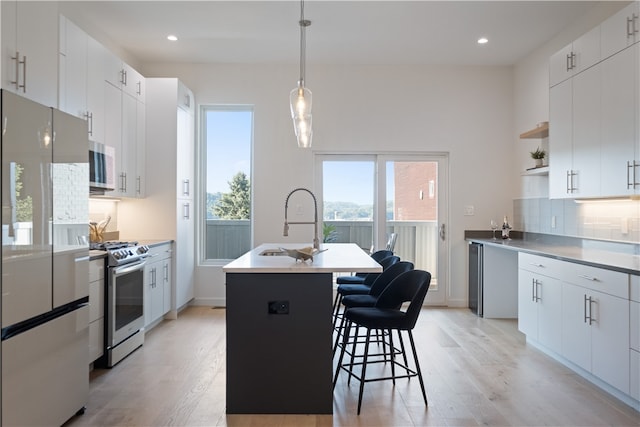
x,y
355,32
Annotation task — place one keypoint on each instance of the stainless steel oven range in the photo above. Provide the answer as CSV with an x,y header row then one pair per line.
x,y
124,308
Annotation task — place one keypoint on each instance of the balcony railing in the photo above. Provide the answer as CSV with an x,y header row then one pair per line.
x,y
417,240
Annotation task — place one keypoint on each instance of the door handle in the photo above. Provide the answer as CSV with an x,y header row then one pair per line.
x,y
442,232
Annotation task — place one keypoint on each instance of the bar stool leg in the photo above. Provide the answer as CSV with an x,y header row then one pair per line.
x,y
364,369
344,346
415,358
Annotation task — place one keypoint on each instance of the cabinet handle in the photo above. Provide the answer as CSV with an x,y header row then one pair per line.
x,y
185,187
536,296
24,74
570,187
123,77
19,86
536,265
588,318
123,182
139,91
166,272
631,25
631,167
138,184
89,117
17,59
590,278
187,101
635,182
533,290
185,211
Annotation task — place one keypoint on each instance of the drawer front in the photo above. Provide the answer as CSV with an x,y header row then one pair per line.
x,y
634,290
541,265
605,281
96,270
159,252
634,323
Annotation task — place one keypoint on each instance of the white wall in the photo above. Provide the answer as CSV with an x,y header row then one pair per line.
x,y
465,111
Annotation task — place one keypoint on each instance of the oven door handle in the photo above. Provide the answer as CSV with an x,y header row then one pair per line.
x,y
128,268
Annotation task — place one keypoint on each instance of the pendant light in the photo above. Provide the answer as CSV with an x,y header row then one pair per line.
x,y
300,97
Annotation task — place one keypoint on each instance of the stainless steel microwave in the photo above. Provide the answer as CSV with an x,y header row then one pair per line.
x,y
102,168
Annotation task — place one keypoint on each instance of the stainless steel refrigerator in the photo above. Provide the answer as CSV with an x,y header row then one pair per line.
x,y
45,262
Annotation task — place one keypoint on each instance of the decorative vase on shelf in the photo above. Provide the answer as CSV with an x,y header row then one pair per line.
x,y
539,162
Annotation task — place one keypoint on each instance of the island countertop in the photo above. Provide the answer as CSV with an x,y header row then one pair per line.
x,y
335,257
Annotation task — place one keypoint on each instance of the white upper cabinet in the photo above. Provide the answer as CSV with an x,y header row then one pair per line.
x,y
96,54
594,112
561,140
621,30
132,82
575,57
97,85
619,119
113,71
586,134
30,50
73,69
123,76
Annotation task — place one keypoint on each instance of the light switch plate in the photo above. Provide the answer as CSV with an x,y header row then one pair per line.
x,y
469,210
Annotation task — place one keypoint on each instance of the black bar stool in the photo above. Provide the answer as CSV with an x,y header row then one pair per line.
x,y
369,300
387,314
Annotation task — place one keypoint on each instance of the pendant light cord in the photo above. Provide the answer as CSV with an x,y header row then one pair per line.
x,y
303,42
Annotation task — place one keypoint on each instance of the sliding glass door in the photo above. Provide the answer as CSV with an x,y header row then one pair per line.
x,y
376,200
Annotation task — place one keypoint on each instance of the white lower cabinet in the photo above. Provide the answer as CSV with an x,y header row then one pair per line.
x,y
157,283
96,308
634,338
583,315
539,301
595,334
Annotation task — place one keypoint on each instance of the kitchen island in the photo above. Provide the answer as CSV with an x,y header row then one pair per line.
x,y
279,329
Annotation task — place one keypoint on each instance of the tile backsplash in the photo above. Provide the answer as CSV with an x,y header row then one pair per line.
x,y
617,220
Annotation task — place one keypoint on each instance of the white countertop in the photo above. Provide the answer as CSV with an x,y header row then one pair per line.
x,y
338,257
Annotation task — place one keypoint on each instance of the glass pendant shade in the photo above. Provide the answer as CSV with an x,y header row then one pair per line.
x,y
300,99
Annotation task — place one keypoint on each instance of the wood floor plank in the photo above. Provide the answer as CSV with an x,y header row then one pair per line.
x,y
476,372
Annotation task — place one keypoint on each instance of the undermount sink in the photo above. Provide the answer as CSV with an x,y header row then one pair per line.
x,y
273,252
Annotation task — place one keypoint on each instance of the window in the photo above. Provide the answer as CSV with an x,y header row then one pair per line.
x,y
227,138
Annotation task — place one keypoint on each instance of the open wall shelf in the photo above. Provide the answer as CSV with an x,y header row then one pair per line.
x,y
540,131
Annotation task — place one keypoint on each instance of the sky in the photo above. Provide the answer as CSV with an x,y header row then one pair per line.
x,y
229,135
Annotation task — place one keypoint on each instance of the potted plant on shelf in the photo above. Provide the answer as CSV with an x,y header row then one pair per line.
x,y
538,156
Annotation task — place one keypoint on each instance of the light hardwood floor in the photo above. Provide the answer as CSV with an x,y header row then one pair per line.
x,y
476,371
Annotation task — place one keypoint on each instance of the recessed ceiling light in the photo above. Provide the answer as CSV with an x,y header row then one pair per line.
x,y
172,37
483,40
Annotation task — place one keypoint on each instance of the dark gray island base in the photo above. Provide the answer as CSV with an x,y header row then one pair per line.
x,y
279,357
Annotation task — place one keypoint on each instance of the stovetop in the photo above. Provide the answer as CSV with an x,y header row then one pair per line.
x,y
107,246
120,253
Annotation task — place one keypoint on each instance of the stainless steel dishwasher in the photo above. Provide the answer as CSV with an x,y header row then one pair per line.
x,y
475,277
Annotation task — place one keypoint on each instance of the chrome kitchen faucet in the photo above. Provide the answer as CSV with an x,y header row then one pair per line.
x,y
316,241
